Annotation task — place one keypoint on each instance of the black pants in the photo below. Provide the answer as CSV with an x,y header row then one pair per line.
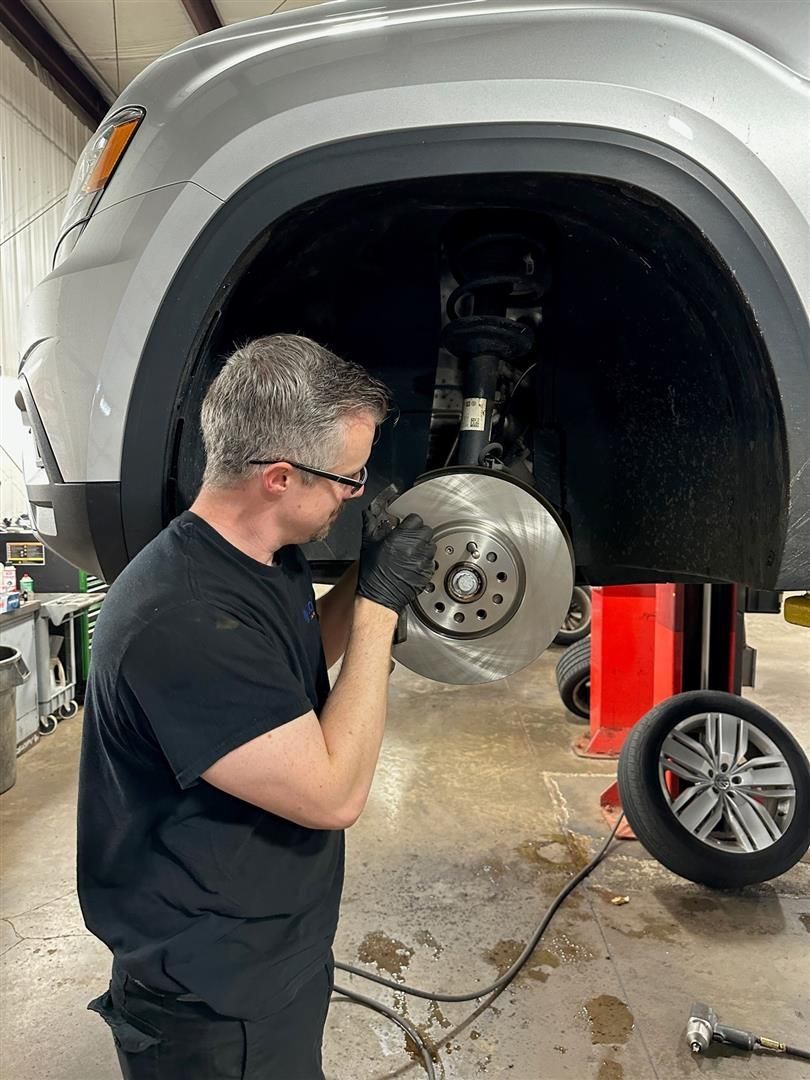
x,y
160,1038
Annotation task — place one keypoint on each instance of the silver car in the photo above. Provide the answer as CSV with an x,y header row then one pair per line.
x,y
571,237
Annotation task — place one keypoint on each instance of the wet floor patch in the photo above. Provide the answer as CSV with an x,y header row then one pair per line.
x,y
570,949
562,851
610,1070
651,929
694,905
386,953
436,1016
435,1019
504,953
424,937
538,966
610,1020
413,1051
432,1045
493,868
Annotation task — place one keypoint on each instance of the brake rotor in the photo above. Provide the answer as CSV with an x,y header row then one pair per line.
x,y
503,577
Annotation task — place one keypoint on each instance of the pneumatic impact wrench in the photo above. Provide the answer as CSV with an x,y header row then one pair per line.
x,y
703,1028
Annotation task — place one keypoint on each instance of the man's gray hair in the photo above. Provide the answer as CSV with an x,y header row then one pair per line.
x,y
283,398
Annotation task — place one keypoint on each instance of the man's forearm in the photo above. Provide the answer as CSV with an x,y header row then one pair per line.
x,y
353,719
335,610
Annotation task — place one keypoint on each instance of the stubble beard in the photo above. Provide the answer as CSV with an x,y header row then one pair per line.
x,y
326,528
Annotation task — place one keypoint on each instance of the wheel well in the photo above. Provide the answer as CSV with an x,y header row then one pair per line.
x,y
655,422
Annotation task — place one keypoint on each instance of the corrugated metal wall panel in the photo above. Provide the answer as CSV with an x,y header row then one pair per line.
x,y
40,141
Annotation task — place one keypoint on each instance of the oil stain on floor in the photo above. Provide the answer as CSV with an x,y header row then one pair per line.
x,y
413,1051
424,937
563,851
610,1070
434,1046
504,954
610,1020
387,953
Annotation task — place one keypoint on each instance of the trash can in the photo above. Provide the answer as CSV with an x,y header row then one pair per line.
x,y
13,673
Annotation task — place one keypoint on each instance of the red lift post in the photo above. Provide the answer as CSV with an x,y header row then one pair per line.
x,y
649,642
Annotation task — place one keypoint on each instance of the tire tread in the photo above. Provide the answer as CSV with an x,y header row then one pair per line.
x,y
573,665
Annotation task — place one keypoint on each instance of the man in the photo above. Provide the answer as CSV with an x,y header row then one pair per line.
x,y
218,771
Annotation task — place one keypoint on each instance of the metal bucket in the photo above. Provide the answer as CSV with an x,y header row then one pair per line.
x,y
13,673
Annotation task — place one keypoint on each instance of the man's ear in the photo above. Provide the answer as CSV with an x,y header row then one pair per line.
x,y
276,478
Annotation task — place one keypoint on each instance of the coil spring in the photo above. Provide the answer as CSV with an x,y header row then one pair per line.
x,y
512,286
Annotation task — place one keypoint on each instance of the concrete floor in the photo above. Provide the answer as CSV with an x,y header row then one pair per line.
x,y
478,815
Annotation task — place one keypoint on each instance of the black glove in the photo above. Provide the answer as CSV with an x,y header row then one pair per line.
x,y
395,563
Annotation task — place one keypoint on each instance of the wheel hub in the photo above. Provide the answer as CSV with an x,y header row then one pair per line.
x,y
478,581
464,583
502,582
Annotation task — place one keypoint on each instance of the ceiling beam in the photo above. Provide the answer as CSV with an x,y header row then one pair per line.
x,y
32,36
203,14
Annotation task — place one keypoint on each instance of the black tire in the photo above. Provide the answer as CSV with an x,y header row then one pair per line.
x,y
581,603
665,837
574,678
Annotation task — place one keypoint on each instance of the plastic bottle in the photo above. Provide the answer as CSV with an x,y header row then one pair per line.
x,y
27,585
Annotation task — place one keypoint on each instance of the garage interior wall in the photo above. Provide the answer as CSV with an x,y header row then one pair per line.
x,y
40,142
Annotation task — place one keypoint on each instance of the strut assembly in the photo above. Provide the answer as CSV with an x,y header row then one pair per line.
x,y
499,268
504,568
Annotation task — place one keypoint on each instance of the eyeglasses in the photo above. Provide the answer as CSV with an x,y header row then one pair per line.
x,y
354,482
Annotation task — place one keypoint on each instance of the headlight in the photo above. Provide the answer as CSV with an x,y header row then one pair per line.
x,y
94,170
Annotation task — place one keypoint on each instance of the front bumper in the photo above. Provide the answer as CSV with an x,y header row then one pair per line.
x,y
83,523
80,521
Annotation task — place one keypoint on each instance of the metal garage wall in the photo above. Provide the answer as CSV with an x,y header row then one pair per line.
x,y
40,141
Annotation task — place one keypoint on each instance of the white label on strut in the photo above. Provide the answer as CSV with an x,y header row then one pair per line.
x,y
474,414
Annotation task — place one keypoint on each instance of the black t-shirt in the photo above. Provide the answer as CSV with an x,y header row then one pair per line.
x,y
197,650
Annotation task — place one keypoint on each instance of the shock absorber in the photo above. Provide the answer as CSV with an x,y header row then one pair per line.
x,y
499,266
